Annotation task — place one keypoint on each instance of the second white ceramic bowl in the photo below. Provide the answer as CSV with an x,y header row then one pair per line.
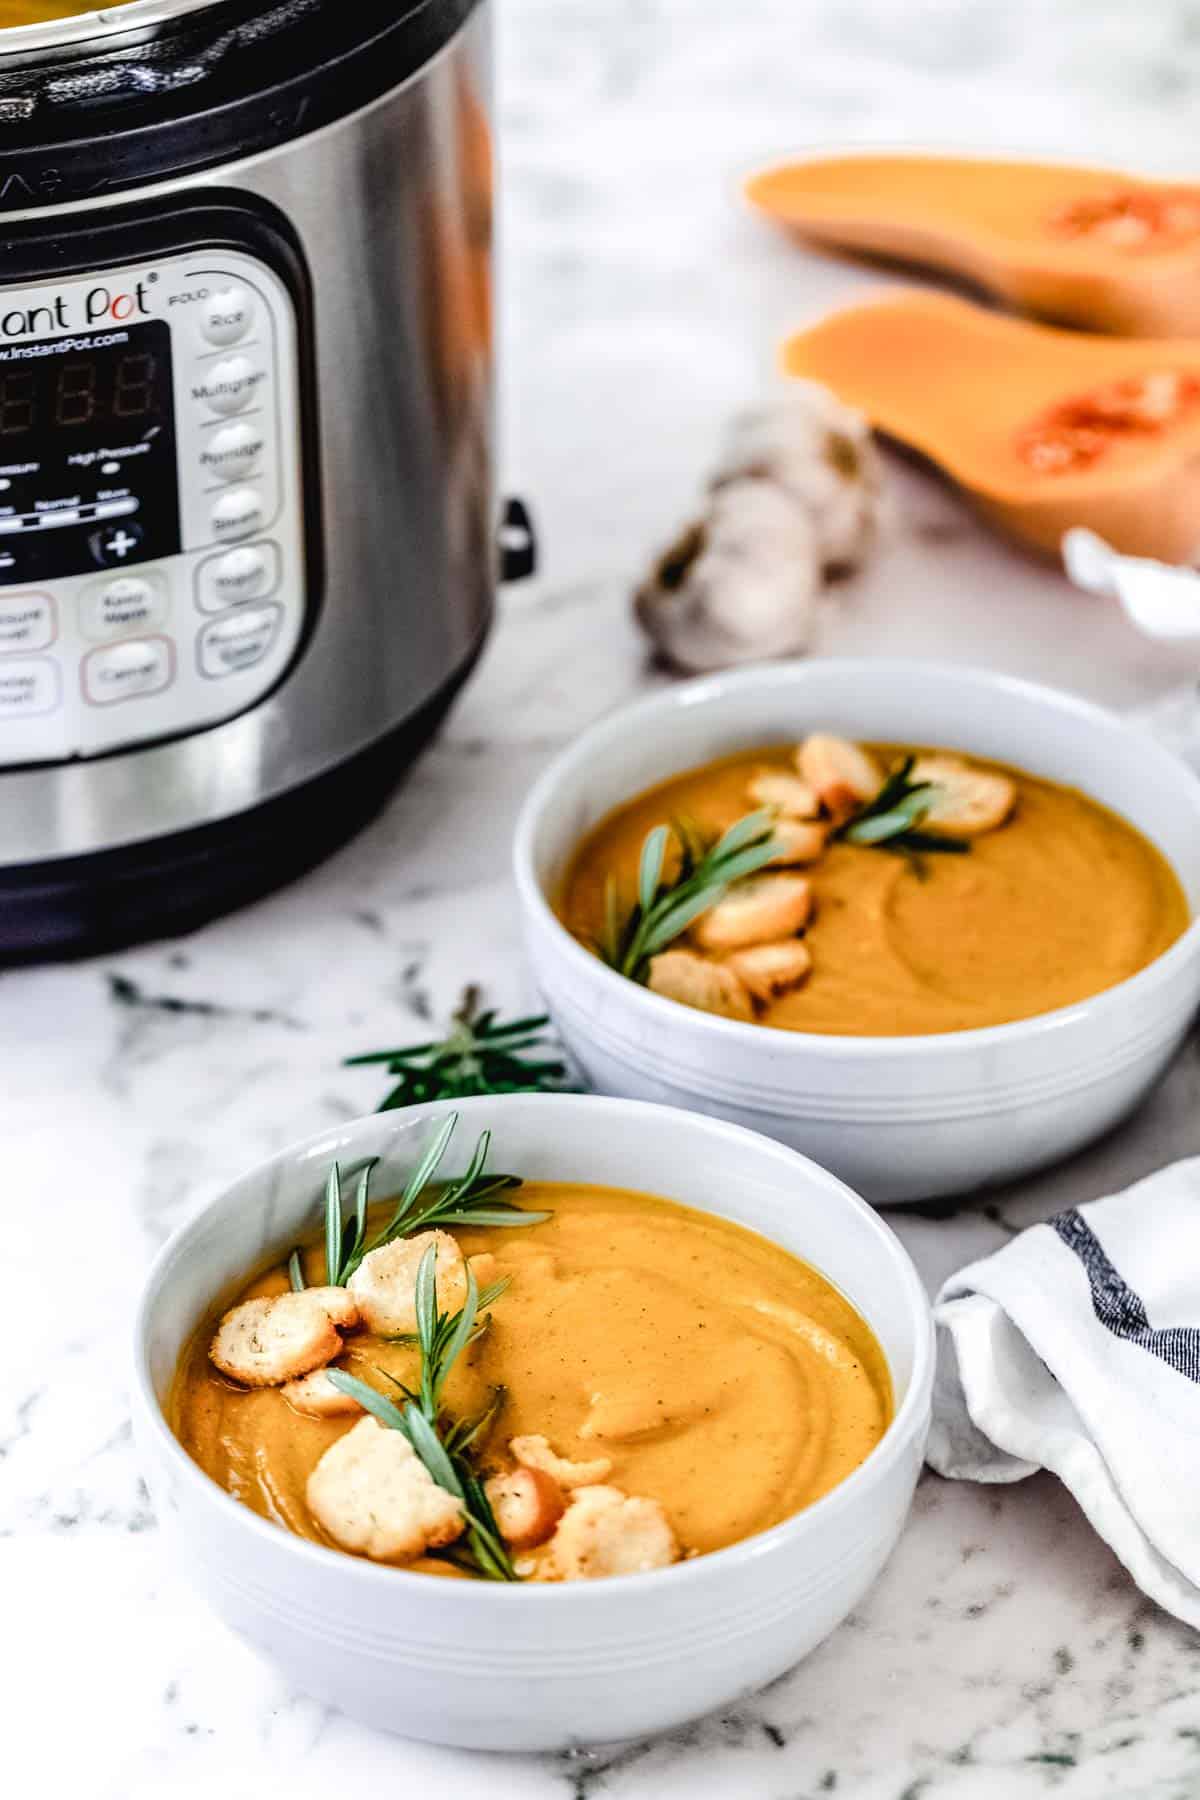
x,y
901,1118
538,1667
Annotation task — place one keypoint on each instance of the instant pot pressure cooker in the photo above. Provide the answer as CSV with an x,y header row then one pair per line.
x,y
246,517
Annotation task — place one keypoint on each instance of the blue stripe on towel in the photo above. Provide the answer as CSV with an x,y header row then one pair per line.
x,y
1118,1308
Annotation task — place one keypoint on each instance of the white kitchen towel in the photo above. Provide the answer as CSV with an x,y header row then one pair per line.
x,y
1076,1348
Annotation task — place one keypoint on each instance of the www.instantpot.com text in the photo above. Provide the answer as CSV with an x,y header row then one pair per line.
x,y
95,340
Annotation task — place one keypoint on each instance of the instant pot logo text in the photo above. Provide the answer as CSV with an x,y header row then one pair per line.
x,y
69,312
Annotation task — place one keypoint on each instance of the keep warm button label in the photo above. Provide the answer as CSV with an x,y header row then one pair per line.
x,y
238,640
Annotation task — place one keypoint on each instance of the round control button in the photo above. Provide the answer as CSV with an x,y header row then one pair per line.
x,y
27,622
250,571
121,607
228,645
127,671
227,315
232,451
237,514
228,386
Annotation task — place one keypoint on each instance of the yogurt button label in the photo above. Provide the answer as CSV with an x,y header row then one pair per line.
x,y
28,685
242,574
26,622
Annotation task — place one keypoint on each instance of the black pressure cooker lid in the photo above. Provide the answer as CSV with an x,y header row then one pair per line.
x,y
109,100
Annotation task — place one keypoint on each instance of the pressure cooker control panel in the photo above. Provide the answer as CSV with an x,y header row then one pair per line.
x,y
152,552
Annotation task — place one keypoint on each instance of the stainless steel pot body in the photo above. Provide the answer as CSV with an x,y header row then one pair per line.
x,y
388,437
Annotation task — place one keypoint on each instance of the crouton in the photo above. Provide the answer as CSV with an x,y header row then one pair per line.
x,y
318,1398
265,1342
799,840
695,981
534,1452
770,970
338,1303
605,1532
788,794
527,1504
841,774
384,1284
759,910
372,1494
968,801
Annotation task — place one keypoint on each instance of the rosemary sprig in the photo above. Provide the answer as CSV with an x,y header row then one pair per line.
x,y
424,1205
892,819
665,908
444,1447
479,1055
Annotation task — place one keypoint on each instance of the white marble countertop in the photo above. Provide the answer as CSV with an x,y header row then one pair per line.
x,y
1004,1653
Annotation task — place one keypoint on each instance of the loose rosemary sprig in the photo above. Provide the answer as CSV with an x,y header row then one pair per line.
x,y
665,909
479,1055
425,1204
891,821
444,1447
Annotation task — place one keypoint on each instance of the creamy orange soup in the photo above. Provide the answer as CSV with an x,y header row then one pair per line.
x,y
1061,901
721,1376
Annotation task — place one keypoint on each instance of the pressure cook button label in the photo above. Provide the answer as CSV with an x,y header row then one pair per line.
x,y
232,451
228,386
127,671
250,572
26,622
239,640
122,607
227,315
28,685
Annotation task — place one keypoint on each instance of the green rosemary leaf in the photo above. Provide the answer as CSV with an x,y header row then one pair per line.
x,y
456,1066
928,841
296,1273
465,1433
500,1218
464,1327
429,1448
651,866
333,1226
385,1410
880,826
756,827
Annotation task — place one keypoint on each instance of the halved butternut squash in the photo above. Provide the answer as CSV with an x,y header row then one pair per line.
x,y
1085,246
1042,429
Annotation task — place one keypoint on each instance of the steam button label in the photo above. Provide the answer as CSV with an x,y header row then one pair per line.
x,y
227,315
237,514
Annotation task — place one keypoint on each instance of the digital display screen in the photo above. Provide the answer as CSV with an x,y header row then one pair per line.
x,y
87,453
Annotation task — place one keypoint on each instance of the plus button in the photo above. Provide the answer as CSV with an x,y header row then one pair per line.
x,y
109,546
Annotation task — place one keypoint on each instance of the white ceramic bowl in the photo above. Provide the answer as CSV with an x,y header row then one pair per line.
x,y
900,1118
532,1668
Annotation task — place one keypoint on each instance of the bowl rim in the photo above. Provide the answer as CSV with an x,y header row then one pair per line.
x,y
907,1422
705,689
